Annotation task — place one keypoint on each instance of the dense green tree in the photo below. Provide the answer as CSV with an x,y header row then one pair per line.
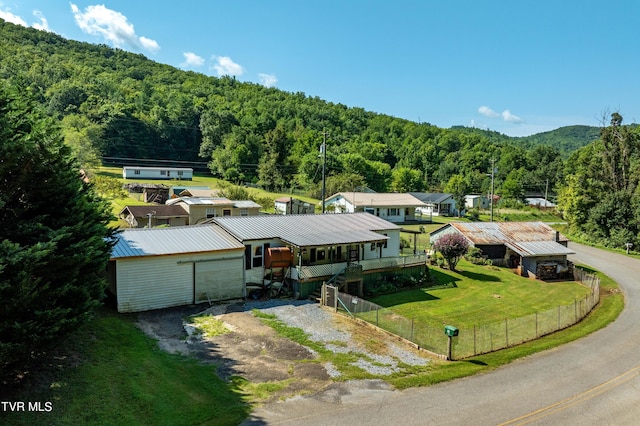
x,y
404,179
55,235
458,188
600,197
513,187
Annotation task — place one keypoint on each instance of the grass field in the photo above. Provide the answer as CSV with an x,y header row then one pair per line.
x,y
481,295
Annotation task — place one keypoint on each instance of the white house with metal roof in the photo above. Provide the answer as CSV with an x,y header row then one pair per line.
x,y
321,246
436,204
394,207
532,248
163,267
140,172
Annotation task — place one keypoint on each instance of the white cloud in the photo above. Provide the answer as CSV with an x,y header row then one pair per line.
x,y
507,116
111,25
149,44
488,112
192,60
225,66
267,80
43,24
14,19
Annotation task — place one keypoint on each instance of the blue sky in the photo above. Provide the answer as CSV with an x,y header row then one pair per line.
x,y
517,67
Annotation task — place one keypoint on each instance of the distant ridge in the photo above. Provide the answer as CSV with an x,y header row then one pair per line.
x,y
566,139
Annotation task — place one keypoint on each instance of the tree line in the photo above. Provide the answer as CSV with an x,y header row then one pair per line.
x,y
114,103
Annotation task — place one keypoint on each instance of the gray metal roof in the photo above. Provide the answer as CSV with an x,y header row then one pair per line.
x,y
431,197
246,204
309,230
378,199
174,240
539,248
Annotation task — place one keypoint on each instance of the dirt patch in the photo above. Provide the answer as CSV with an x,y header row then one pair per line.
x,y
255,352
251,350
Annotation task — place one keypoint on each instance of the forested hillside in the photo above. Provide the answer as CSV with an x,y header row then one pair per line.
x,y
116,104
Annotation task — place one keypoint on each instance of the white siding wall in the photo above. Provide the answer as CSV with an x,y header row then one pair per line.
x,y
340,205
256,273
447,230
147,283
155,282
219,279
153,173
391,250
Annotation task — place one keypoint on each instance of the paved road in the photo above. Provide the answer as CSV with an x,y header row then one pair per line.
x,y
593,381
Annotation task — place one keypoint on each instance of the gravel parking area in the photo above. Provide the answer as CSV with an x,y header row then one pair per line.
x,y
256,352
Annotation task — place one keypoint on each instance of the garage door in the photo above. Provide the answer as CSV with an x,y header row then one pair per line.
x,y
219,280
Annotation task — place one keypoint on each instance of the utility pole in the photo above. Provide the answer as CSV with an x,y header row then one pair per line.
x,y
493,170
546,190
323,151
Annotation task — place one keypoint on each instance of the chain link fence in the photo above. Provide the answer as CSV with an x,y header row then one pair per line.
x,y
475,340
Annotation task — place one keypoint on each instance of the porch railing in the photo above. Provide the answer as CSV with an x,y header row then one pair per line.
x,y
303,273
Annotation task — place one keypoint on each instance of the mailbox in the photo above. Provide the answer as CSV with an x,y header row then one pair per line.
x,y
450,330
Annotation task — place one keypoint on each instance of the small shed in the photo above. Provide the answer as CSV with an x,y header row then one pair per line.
x,y
163,267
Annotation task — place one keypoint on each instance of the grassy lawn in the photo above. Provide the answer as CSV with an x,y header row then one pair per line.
x,y
111,373
482,295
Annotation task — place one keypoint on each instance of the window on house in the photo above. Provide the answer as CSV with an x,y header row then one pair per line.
x,y
226,212
180,172
210,212
257,257
394,212
321,255
163,172
385,241
244,212
136,172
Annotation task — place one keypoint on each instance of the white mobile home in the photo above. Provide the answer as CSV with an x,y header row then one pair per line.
x,y
162,267
137,172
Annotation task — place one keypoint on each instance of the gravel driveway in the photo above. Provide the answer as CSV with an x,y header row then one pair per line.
x,y
254,351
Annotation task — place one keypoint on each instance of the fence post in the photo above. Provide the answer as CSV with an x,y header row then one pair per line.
x,y
475,350
377,319
506,331
411,330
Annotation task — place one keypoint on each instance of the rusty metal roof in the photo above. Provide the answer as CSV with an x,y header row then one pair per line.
x,y
503,232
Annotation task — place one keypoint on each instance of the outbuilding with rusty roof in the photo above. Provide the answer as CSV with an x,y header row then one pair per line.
x,y
532,248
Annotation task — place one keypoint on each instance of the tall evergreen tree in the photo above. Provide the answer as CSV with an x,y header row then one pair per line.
x,y
54,235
